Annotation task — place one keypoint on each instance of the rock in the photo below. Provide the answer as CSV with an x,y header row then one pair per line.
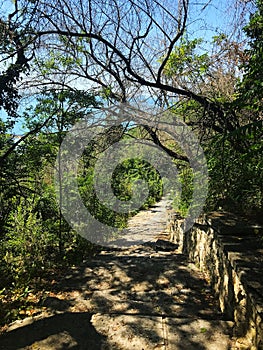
x,y
164,245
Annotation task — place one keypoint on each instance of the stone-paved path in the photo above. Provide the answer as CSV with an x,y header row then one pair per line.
x,y
140,297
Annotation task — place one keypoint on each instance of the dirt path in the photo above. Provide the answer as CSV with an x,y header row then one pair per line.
x,y
141,297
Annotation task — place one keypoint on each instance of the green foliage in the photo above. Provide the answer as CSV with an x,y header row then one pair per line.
x,y
97,209
122,181
183,200
219,39
11,70
234,154
187,61
25,243
251,87
235,158
34,236
131,170
236,178
58,110
57,62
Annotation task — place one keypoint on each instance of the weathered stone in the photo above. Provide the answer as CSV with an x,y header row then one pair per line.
x,y
230,252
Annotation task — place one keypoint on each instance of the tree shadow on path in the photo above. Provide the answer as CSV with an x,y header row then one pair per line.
x,y
62,331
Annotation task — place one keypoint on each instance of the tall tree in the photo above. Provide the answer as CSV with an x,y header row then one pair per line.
x,y
15,40
121,48
251,89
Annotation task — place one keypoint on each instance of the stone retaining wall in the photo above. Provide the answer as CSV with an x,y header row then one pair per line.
x,y
231,253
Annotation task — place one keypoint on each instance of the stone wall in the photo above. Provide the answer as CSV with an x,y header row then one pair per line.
x,y
231,253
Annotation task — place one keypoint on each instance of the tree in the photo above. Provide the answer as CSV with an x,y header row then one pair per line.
x,y
122,48
14,56
128,49
251,88
56,112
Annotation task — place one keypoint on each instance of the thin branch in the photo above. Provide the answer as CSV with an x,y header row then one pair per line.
x,y
157,142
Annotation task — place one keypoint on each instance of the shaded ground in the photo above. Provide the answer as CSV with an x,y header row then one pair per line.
x,y
141,297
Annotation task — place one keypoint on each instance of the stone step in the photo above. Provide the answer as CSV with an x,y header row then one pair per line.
x,y
86,331
128,332
180,304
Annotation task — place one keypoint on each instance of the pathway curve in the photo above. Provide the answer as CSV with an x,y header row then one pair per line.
x,y
141,297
